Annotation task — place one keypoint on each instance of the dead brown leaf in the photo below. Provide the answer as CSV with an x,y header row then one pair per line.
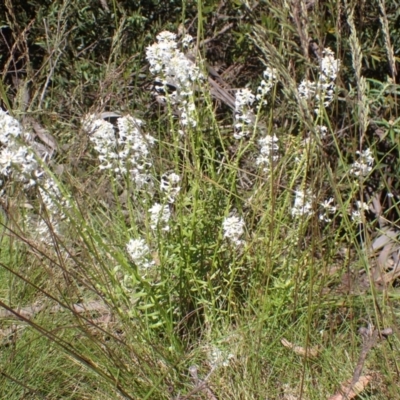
x,y
348,391
311,352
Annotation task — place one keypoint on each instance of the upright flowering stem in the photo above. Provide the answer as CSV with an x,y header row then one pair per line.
x,y
172,68
126,153
322,90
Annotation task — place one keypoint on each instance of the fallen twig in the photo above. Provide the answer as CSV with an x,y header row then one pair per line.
x,y
348,390
32,310
309,352
370,336
27,313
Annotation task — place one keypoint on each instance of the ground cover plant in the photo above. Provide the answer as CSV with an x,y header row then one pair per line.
x,y
199,200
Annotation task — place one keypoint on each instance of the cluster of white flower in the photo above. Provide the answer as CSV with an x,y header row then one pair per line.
x,y
303,203
303,206
139,253
173,68
323,89
16,159
103,136
170,64
170,186
358,213
160,214
307,89
19,162
233,228
270,78
328,208
244,114
244,101
53,199
41,229
329,66
322,130
268,152
218,358
10,128
187,41
363,166
159,217
126,153
55,205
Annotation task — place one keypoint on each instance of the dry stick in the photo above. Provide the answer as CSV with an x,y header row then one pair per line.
x,y
370,339
6,335
30,311
33,309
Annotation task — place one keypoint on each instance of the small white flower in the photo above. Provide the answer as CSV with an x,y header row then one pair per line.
x,y
139,253
329,65
244,114
363,166
323,130
303,203
159,217
187,41
327,205
268,152
244,98
233,228
322,90
53,199
126,152
307,89
173,68
357,215
328,209
270,77
170,185
218,358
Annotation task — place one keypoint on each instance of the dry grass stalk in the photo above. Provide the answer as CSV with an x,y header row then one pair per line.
x,y
357,56
300,17
386,35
